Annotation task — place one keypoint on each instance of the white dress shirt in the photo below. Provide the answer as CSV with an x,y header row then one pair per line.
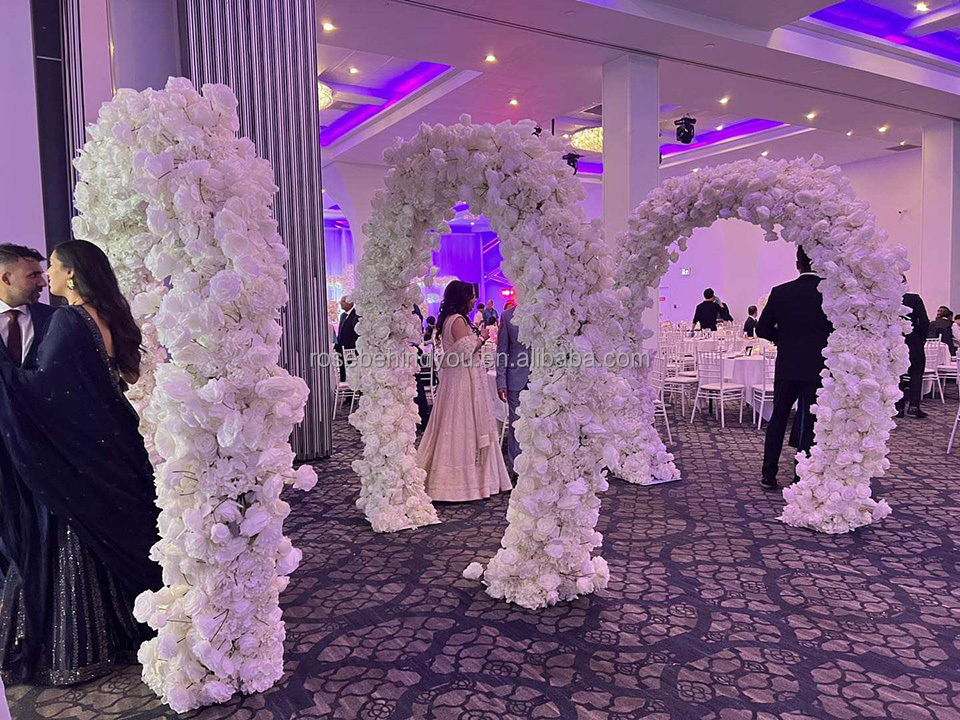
x,y
26,326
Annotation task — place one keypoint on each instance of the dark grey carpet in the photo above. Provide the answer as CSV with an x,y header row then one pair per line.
x,y
715,610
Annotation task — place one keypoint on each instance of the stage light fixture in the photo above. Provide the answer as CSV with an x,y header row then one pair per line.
x,y
685,129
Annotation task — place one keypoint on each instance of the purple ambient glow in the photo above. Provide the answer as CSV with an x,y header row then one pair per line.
x,y
870,19
740,129
395,91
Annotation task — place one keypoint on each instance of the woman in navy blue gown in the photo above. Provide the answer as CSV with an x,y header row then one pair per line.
x,y
77,500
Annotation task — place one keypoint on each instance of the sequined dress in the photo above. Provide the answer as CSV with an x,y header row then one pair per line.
x,y
460,449
68,589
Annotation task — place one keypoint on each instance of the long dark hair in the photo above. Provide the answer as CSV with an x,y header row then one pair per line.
x,y
94,280
457,299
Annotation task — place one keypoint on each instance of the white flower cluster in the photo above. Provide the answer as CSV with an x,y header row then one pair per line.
x,y
644,459
567,302
862,296
182,207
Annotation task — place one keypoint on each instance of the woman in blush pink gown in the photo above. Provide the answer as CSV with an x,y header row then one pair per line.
x,y
460,449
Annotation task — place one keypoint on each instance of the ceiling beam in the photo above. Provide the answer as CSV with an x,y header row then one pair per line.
x,y
946,18
429,93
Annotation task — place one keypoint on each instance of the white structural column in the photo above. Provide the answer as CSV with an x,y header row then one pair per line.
x,y
353,186
940,232
631,146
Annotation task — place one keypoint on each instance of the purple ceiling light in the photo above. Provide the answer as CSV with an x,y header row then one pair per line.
x,y
870,19
395,91
740,129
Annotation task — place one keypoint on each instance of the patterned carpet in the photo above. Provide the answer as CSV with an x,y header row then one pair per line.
x,y
715,611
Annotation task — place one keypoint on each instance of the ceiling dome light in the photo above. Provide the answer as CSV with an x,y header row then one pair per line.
x,y
811,115
354,71
849,133
328,26
491,58
764,153
719,128
589,139
324,95
725,99
922,7
513,101
883,128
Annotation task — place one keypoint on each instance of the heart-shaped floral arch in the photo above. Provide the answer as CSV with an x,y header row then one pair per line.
x,y
574,422
862,291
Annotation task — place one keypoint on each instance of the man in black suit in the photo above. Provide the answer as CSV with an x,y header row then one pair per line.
x,y
23,319
794,320
347,332
912,383
707,312
23,323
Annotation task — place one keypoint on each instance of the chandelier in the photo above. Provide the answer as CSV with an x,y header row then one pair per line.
x,y
589,139
324,95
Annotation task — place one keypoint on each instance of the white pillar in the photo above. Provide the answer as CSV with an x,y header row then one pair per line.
x,y
940,217
353,186
631,146
21,198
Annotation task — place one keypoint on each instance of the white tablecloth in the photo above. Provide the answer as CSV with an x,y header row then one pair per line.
x,y
944,359
747,371
692,347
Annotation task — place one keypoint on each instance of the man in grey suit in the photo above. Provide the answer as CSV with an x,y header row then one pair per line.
x,y
513,372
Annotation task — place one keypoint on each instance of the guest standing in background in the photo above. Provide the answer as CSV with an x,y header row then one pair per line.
x,y
430,330
490,315
795,322
724,315
942,329
459,449
513,373
912,383
347,332
707,312
750,326
478,316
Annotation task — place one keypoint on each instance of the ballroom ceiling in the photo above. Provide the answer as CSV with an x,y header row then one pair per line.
x,y
555,77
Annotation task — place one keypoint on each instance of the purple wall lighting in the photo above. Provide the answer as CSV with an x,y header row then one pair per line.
x,y
395,91
870,19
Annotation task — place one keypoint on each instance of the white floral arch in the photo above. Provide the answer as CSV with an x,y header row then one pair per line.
x,y
569,428
862,296
181,206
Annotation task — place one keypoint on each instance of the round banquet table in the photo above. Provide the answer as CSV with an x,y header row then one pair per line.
x,y
747,370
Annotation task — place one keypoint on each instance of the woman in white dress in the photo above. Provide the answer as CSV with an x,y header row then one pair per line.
x,y
460,449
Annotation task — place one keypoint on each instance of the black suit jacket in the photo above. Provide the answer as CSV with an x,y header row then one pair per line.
x,y
347,334
40,314
750,327
794,320
919,321
706,314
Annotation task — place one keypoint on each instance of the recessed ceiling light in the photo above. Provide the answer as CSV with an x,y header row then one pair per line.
x,y
922,7
566,135
323,190
725,99
849,133
719,127
354,71
883,128
328,26
696,169
903,142
709,45
765,153
513,101
491,58
811,115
